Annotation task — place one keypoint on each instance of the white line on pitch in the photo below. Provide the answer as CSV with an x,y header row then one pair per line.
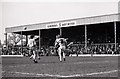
x,y
93,62
68,63
75,75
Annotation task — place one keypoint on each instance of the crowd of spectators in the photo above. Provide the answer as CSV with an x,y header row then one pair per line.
x,y
96,49
107,48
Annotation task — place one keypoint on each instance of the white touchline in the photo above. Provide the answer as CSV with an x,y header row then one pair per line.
x,y
75,75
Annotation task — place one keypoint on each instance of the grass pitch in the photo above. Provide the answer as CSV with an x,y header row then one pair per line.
x,y
50,67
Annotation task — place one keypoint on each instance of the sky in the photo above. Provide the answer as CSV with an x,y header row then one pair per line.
x,y
30,12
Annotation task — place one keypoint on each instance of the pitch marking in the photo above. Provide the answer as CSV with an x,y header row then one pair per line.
x,y
76,75
68,63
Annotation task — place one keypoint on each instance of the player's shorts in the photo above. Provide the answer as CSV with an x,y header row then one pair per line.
x,y
33,48
63,48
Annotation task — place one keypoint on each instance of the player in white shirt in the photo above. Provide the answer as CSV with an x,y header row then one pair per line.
x,y
32,49
60,45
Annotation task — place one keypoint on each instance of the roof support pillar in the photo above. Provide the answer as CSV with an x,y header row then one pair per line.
x,y
26,40
85,38
60,31
39,48
39,39
115,36
21,42
6,43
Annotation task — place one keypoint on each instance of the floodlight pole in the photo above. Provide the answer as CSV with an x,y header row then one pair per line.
x,y
86,38
115,35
